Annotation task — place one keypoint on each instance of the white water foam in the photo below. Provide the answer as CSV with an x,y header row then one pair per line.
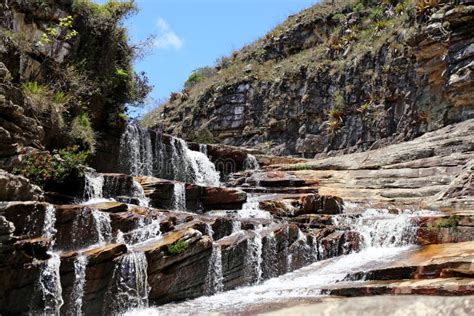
x,y
179,196
93,186
251,208
129,287
77,294
214,278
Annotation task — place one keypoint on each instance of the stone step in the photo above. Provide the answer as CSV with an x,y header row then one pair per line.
x,y
427,262
437,286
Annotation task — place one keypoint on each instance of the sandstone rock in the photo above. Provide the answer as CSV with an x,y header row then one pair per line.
x,y
18,188
223,198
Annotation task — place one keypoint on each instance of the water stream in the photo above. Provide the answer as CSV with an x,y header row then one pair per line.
x,y
386,237
129,287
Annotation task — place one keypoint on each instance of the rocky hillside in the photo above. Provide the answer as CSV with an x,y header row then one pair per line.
x,y
65,75
340,78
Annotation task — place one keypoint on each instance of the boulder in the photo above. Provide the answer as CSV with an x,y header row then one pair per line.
x,y
18,188
223,198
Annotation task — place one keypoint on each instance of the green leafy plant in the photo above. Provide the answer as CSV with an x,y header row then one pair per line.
x,y
204,136
177,247
121,73
33,88
59,97
81,130
381,24
333,125
43,167
62,31
376,13
338,17
364,107
359,7
449,222
401,7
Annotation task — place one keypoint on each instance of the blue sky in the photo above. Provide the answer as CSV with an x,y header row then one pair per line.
x,y
194,33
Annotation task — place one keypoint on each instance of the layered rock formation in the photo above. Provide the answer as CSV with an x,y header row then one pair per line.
x,y
337,80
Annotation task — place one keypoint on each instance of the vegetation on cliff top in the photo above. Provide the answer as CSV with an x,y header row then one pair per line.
x,y
344,31
71,66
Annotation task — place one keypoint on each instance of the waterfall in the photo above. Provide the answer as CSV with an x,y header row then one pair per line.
x,y
49,221
270,257
179,196
103,226
49,286
214,278
251,208
253,264
236,226
147,230
192,166
136,157
137,192
379,228
128,287
203,149
93,186
209,230
251,163
77,294
102,229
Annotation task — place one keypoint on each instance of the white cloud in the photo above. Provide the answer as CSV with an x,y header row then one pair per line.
x,y
166,38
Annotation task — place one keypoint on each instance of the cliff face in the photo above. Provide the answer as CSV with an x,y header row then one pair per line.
x,y
337,79
65,75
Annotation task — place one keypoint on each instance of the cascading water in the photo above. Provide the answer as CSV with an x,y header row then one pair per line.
x,y
203,149
270,252
77,293
129,284
214,278
253,264
49,221
251,208
148,230
102,228
251,163
179,196
379,228
49,286
386,237
139,194
136,155
94,183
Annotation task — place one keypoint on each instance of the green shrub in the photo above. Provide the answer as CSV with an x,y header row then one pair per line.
x,y
42,168
204,136
110,9
381,24
81,130
59,97
401,7
338,17
121,73
193,79
177,247
376,13
359,7
34,88
449,222
199,75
